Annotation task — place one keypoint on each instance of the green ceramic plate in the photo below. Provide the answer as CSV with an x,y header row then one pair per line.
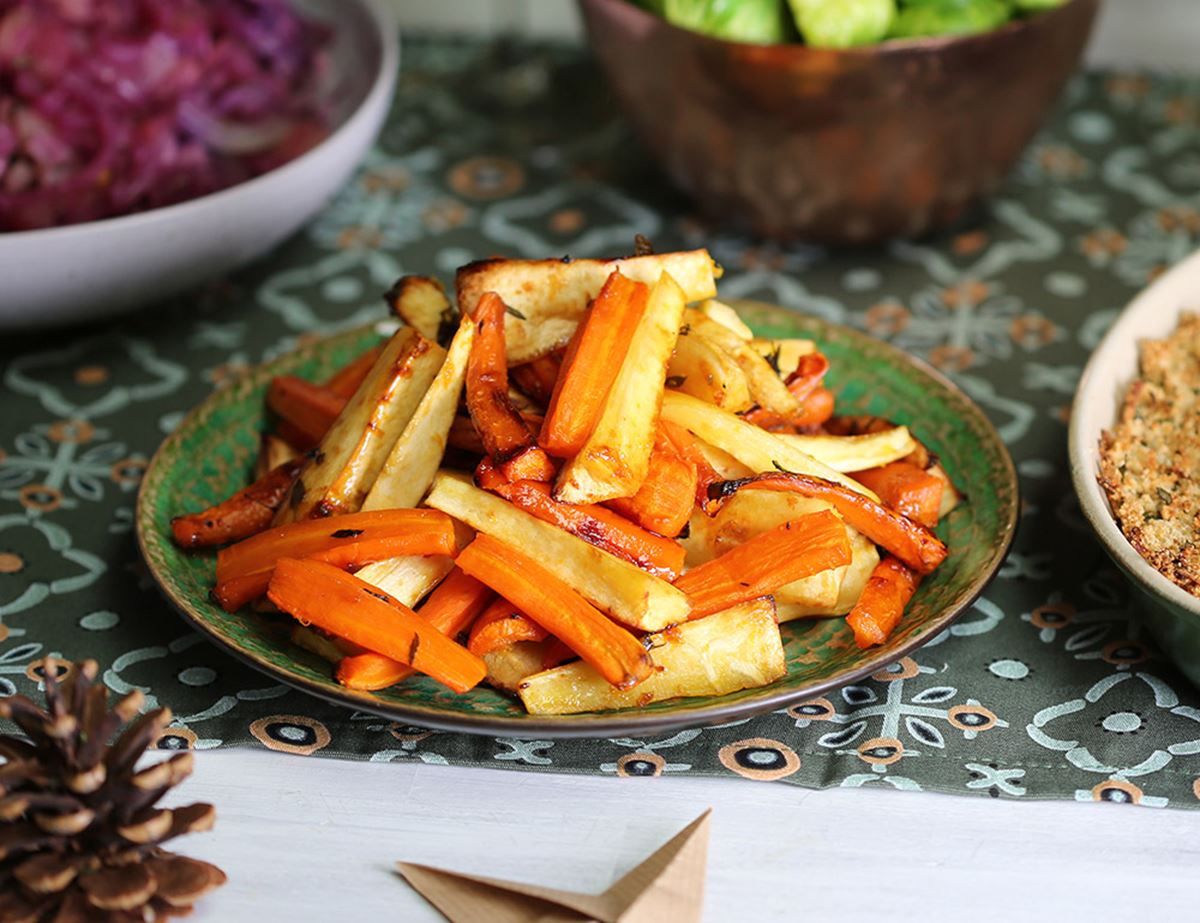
x,y
211,453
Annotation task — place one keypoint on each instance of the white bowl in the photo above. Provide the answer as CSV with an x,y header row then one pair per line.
x,y
1173,614
85,271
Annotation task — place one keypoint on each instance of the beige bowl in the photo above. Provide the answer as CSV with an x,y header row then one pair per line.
x,y
1172,614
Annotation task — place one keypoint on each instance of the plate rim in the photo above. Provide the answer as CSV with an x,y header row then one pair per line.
x,y
624,722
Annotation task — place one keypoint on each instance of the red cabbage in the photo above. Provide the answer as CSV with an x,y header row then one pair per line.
x,y
115,106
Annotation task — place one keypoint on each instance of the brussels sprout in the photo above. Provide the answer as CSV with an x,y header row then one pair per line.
x,y
763,22
843,23
1036,6
949,17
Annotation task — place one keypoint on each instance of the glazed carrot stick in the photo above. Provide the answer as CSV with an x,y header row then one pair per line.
x,y
882,602
907,489
810,372
451,608
308,409
615,653
684,444
664,502
505,435
502,624
536,379
593,523
590,367
815,409
345,381
247,512
816,402
315,593
789,552
244,569
909,541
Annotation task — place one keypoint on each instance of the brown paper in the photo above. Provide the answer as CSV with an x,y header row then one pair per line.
x,y
667,888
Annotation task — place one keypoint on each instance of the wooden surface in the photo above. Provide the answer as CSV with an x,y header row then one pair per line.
x,y
315,839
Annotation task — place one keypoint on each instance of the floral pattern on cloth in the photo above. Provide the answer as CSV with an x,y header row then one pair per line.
x,y
1047,688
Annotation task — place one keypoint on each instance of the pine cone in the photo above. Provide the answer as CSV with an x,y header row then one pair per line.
x,y
80,836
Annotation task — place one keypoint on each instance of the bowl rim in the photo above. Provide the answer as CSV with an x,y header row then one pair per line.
x,y
887,47
385,30
1082,444
597,724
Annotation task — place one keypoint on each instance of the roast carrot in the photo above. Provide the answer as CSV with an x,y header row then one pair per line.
x,y
451,608
816,402
792,551
907,489
684,444
345,381
593,523
881,604
502,624
505,434
591,364
244,569
536,379
308,409
815,409
664,502
615,653
316,593
909,541
246,513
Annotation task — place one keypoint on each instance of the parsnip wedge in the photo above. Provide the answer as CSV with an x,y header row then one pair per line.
x,y
349,458
624,591
783,355
854,579
614,460
726,316
739,648
409,578
509,666
855,453
417,454
753,447
766,387
702,370
547,298
421,303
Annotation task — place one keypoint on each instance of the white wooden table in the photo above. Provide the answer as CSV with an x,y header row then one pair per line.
x,y
315,839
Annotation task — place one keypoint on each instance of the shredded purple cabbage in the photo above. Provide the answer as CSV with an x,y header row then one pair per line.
x,y
114,106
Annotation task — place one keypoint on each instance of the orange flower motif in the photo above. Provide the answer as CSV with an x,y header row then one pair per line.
x,y
90,375
357,236
1127,87
760,258
11,563
1060,161
1032,331
1180,111
1178,218
486,177
40,498
887,318
1053,616
966,294
72,432
1104,242
970,242
444,215
567,221
952,358
128,470
389,179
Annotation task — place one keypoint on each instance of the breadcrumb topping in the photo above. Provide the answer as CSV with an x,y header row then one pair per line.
x,y
1150,461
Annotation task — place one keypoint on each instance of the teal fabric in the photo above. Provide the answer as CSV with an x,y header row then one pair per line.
x,y
1047,688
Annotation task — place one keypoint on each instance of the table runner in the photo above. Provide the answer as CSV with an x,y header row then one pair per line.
x,y
1047,688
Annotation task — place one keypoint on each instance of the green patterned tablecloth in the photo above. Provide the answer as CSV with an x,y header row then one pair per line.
x,y
1048,687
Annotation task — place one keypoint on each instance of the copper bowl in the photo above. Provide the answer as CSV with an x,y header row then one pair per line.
x,y
838,147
